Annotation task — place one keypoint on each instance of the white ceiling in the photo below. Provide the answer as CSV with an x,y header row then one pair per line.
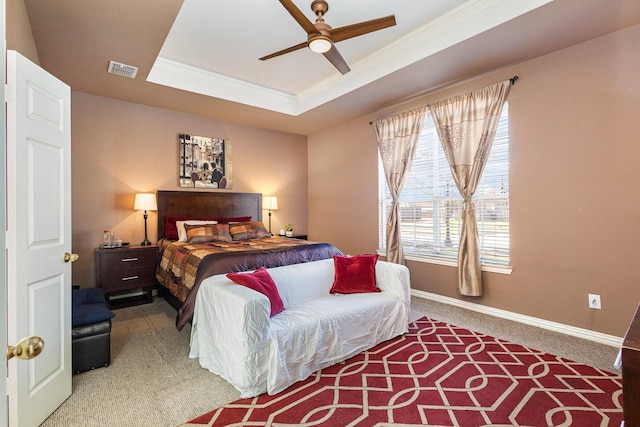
x,y
201,56
213,47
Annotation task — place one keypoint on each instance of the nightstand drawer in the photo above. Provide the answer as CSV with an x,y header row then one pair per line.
x,y
125,270
117,280
120,259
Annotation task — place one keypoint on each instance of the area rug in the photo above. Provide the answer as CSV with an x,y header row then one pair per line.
x,y
438,375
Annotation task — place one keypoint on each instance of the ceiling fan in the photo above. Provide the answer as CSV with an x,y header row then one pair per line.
x,y
321,38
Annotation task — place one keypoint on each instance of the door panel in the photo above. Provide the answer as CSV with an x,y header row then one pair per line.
x,y
38,235
47,297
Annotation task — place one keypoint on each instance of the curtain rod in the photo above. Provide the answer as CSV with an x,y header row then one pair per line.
x,y
513,81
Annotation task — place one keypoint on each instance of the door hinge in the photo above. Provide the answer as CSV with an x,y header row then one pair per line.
x,y
11,385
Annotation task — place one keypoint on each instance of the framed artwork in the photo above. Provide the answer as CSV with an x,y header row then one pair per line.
x,y
204,162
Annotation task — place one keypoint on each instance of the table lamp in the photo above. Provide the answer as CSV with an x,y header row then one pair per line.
x,y
145,202
270,203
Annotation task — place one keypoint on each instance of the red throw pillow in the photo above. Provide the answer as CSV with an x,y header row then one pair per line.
x,y
356,274
229,220
170,229
260,281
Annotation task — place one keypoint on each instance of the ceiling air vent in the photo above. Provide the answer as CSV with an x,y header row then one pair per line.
x,y
123,69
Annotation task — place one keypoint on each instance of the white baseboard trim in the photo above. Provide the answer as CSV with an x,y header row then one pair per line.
x,y
586,334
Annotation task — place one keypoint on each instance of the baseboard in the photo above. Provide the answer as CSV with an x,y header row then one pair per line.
x,y
586,334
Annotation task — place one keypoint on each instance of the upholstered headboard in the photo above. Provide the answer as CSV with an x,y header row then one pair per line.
x,y
209,204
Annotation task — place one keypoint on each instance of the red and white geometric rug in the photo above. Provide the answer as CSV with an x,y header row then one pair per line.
x,y
438,375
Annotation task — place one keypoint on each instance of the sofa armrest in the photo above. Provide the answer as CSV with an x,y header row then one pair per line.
x,y
395,279
230,332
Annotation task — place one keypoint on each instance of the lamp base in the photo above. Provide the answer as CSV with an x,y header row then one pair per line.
x,y
146,241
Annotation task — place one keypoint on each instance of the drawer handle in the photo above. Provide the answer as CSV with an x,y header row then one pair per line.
x,y
129,278
129,259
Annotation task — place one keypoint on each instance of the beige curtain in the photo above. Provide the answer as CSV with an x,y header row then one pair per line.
x,y
397,141
466,127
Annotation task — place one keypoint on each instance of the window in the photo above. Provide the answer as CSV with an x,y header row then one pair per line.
x,y
431,206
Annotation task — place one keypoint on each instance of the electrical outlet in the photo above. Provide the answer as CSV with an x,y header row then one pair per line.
x,y
594,301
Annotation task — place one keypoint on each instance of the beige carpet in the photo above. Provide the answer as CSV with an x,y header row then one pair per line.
x,y
152,382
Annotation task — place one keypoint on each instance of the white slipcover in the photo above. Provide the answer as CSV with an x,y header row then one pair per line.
x,y
233,336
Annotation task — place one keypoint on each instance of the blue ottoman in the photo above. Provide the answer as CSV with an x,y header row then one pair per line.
x,y
90,330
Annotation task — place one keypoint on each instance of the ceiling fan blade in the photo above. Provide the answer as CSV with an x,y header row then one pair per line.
x,y
354,30
299,16
283,51
337,60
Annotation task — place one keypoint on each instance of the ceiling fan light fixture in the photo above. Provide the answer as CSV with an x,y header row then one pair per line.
x,y
320,44
321,37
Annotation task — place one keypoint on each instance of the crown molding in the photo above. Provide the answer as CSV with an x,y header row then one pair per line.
x,y
466,21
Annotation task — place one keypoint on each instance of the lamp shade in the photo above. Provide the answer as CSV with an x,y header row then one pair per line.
x,y
270,203
145,202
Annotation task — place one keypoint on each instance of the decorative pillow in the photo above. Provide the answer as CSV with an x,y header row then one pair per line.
x,y
202,233
260,281
171,231
248,230
356,274
182,232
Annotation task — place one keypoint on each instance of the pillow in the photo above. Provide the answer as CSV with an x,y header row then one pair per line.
x,y
182,232
230,220
88,296
171,231
202,233
355,274
86,314
260,281
248,230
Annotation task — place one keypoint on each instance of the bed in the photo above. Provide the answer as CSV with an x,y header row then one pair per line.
x,y
183,266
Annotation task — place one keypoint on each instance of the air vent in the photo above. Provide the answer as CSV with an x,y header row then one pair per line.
x,y
123,69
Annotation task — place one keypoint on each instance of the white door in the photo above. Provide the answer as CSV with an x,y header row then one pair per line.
x,y
3,270
37,238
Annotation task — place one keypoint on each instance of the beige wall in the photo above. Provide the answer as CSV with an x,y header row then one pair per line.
x,y
19,35
575,165
120,148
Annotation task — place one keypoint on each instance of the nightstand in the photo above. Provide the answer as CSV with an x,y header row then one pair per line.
x,y
122,270
298,236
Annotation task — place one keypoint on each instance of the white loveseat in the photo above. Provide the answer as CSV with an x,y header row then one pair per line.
x,y
234,337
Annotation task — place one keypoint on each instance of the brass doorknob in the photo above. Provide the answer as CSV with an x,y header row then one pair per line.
x,y
70,257
26,349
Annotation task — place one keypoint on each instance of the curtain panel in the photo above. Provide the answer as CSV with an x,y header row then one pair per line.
x,y
466,127
397,140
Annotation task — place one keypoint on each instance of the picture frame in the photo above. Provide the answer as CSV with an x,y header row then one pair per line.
x,y
204,162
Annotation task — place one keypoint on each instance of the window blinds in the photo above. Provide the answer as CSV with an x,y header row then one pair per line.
x,y
430,204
